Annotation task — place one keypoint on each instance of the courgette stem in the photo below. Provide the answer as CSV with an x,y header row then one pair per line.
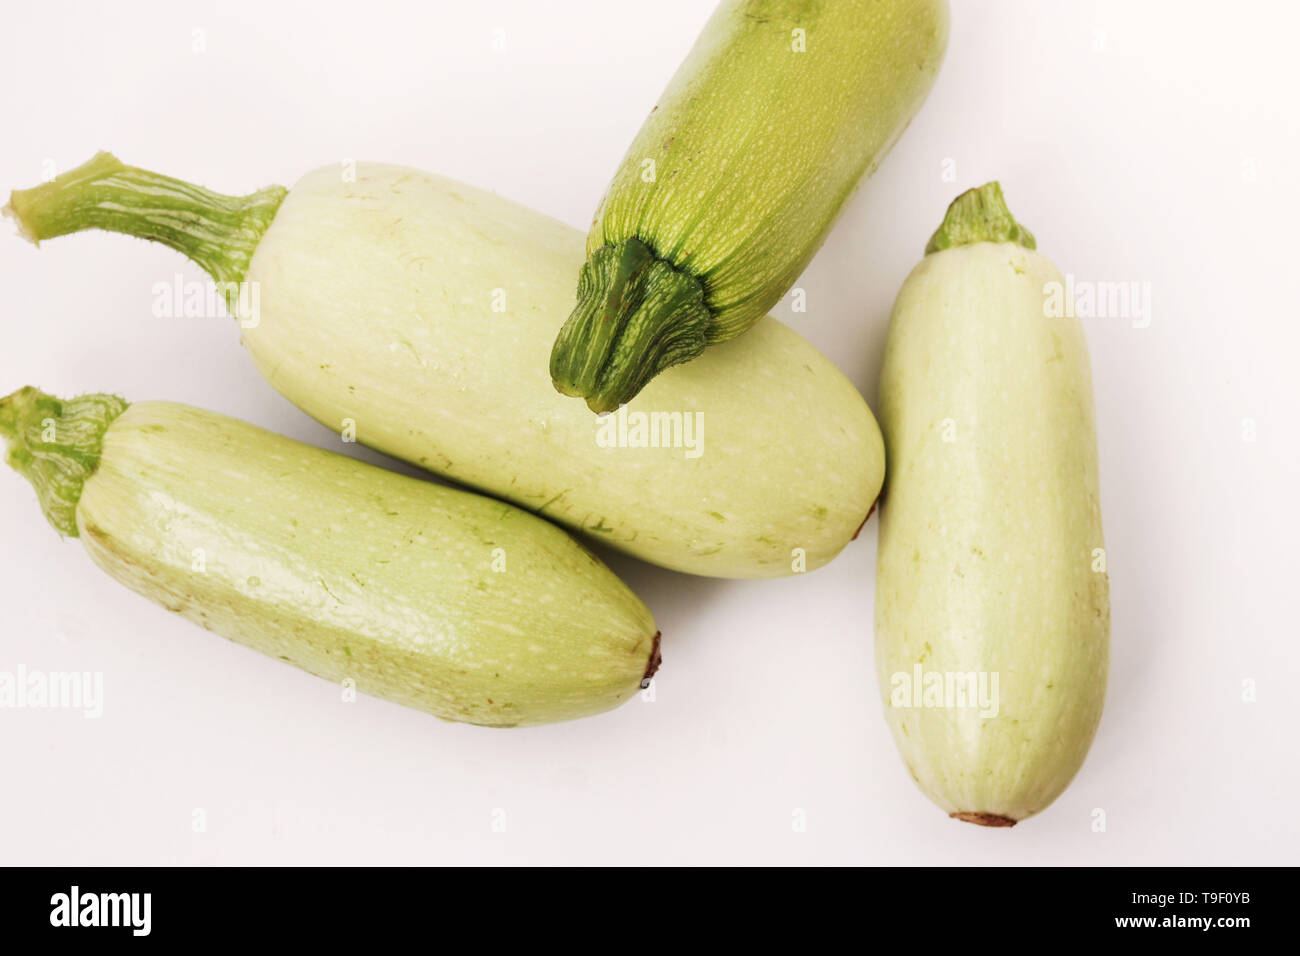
x,y
218,232
56,445
979,215
636,315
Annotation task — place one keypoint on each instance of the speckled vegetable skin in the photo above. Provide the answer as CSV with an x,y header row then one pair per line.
x,y
338,567
759,139
989,520
377,297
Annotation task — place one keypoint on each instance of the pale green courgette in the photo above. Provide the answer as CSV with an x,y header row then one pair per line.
x,y
439,599
418,313
735,179
992,606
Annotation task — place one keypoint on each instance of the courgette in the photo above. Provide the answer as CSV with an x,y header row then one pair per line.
x,y
736,177
465,607
417,313
992,598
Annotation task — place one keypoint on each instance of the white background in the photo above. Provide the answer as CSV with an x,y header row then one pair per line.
x,y
1147,141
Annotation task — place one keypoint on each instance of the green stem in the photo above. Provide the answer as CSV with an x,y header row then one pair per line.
x,y
56,446
979,215
636,316
218,232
